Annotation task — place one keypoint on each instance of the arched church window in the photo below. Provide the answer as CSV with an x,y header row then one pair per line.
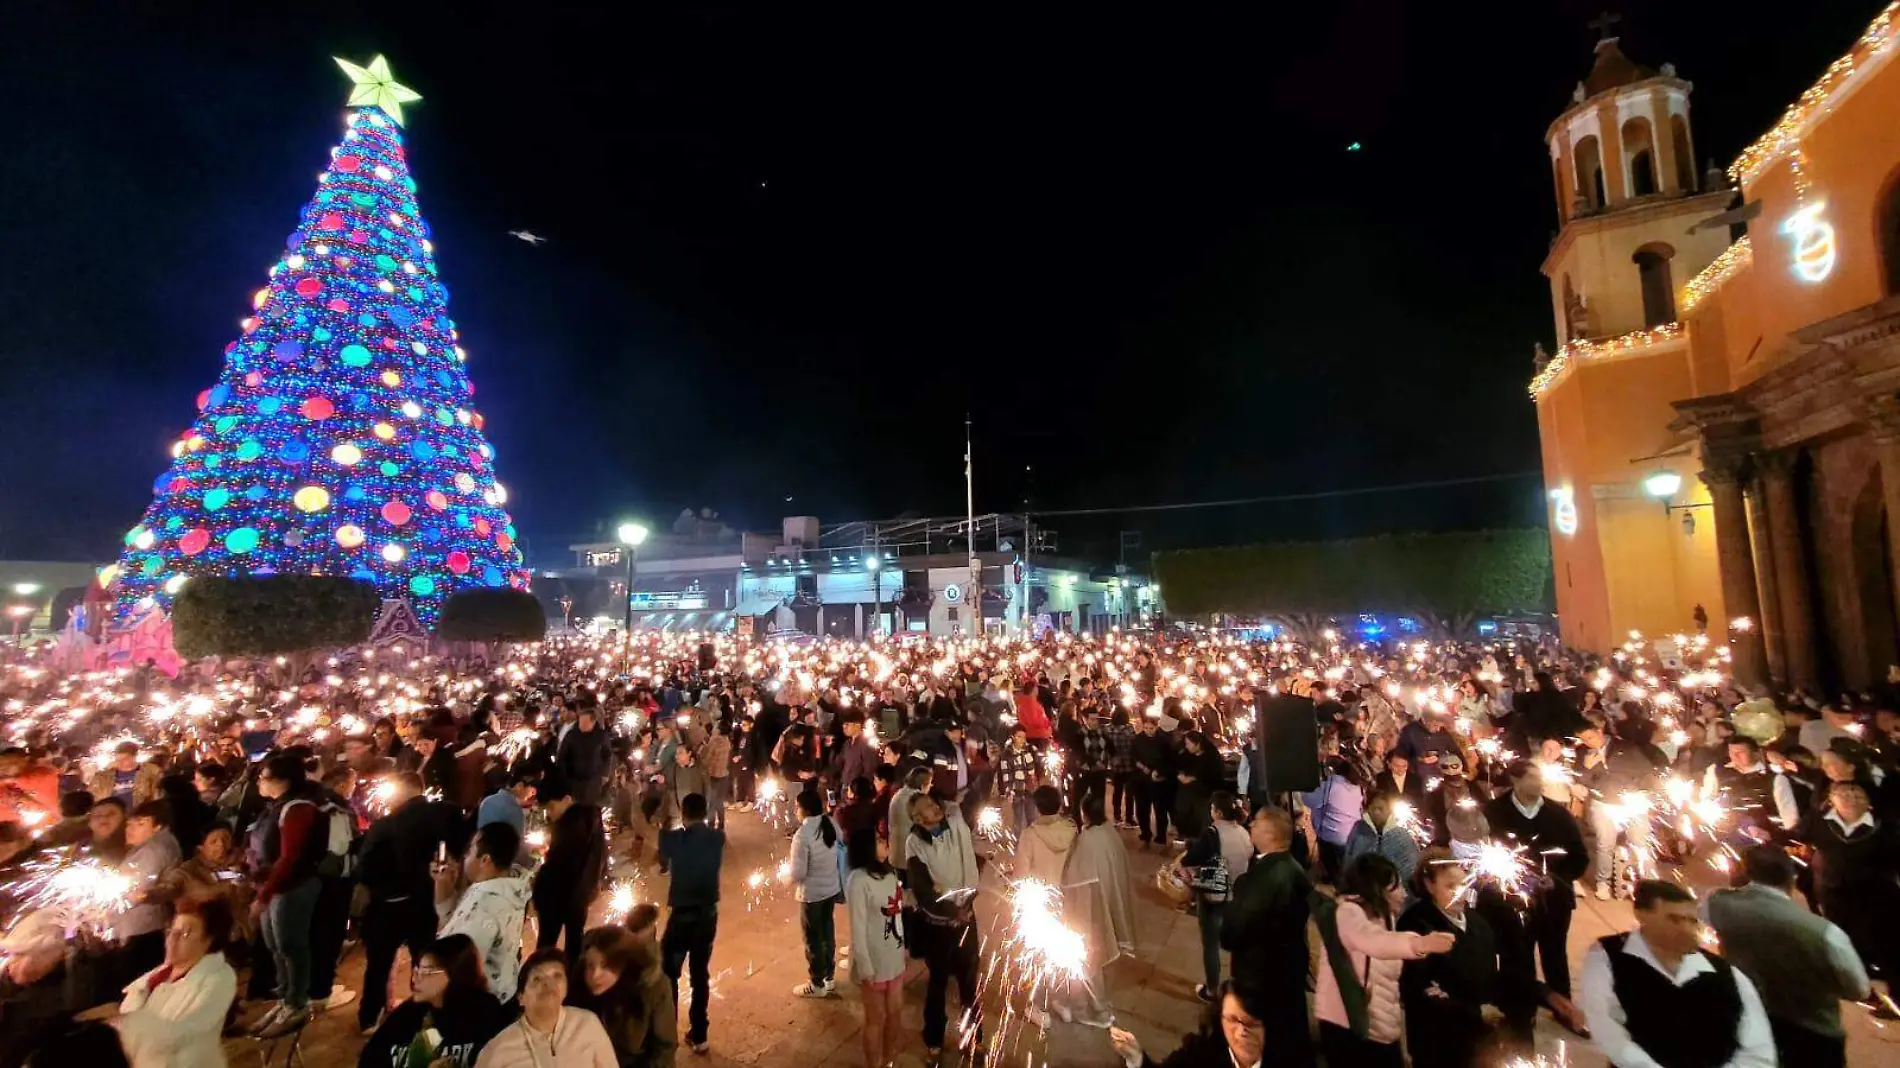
x,y
1659,293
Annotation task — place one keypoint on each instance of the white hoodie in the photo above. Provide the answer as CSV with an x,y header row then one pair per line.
x,y
491,913
1043,850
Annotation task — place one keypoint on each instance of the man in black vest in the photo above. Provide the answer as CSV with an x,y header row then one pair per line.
x,y
1653,999
1552,845
1758,800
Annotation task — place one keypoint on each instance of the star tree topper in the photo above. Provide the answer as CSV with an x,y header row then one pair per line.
x,y
375,87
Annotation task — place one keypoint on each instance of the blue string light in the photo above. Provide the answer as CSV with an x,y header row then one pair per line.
x,y
342,437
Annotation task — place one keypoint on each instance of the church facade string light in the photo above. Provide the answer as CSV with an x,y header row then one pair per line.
x,y
342,436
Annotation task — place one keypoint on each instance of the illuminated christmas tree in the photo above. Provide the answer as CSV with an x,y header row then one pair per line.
x,y
342,437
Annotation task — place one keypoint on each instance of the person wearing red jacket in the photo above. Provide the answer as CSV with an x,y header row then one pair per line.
x,y
287,842
29,791
1032,717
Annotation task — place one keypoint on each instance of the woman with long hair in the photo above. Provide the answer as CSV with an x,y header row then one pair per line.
x,y
1360,1014
621,982
448,993
818,875
874,904
1199,774
548,1033
1224,842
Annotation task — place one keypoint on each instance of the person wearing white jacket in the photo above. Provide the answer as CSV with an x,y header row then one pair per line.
x,y
173,1015
818,873
492,909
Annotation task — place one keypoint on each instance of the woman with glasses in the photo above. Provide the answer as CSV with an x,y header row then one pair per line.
x,y
548,1033
1234,1037
173,1016
449,996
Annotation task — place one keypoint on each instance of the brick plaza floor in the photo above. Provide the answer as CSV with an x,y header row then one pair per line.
x,y
759,957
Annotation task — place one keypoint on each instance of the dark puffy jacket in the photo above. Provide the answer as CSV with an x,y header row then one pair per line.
x,y
577,852
584,760
396,850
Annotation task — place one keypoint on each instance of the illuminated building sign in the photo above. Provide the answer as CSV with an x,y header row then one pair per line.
x,y
1563,511
647,600
1813,242
602,557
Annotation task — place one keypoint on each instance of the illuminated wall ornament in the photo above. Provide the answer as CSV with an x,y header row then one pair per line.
x,y
1813,239
1563,510
311,451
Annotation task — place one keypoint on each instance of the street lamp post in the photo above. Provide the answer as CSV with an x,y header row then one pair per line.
x,y
631,535
877,590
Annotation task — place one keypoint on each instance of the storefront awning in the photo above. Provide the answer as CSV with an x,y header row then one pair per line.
x,y
756,606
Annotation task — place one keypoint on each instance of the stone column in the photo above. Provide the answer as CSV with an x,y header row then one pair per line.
x,y
1884,420
1736,563
1764,544
1791,569
1610,144
1662,142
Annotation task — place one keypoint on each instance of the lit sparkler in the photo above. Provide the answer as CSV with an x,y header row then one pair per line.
x,y
1405,817
621,899
991,827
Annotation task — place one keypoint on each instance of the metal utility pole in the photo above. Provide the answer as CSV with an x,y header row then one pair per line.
x,y
1029,542
975,599
876,564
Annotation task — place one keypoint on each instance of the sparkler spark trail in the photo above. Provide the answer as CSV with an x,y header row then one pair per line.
x,y
1499,864
1041,958
621,899
516,743
991,828
83,893
1405,816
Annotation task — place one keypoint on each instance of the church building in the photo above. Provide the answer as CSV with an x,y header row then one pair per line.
x,y
1720,423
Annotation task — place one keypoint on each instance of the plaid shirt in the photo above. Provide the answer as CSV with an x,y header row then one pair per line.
x,y
1121,746
1016,770
1094,754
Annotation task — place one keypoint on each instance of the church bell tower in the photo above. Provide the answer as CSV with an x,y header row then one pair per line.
x,y
1635,225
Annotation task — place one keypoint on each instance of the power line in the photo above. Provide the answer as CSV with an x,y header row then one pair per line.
x,y
1313,496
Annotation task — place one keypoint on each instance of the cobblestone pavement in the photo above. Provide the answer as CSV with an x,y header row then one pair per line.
x,y
759,957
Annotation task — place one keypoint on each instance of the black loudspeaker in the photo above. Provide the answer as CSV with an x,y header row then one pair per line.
x,y
1287,737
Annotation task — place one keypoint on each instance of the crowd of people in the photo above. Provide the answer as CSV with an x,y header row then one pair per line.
x,y
189,858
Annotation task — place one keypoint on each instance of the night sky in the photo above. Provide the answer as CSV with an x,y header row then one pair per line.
x,y
790,248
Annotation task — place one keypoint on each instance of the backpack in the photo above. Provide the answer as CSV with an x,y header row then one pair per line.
x,y
336,828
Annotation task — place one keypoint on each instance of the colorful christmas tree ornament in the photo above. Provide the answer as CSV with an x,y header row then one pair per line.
x,y
342,409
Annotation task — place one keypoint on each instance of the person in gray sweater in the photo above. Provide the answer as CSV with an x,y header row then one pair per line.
x,y
1802,965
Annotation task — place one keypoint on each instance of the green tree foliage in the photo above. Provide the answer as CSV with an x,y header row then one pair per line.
x,y
492,614
1445,581
271,615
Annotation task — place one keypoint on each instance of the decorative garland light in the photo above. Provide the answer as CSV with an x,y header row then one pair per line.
x,y
1733,259
1819,99
1602,349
